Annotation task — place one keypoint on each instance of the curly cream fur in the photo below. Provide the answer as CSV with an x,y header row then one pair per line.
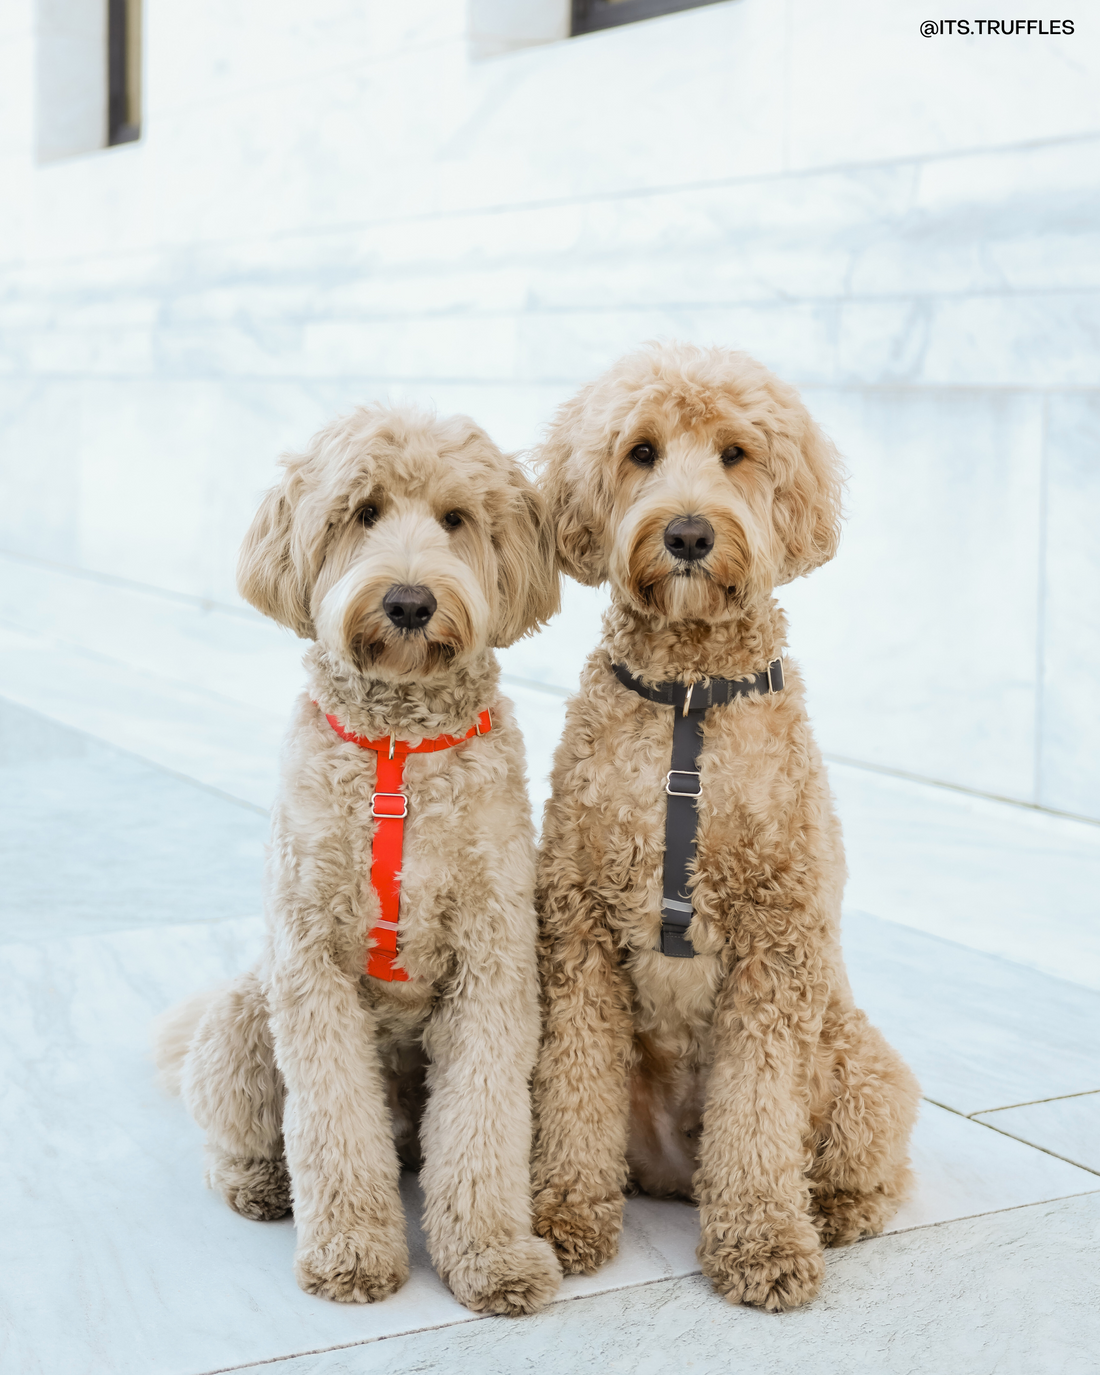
x,y
311,1079
745,1077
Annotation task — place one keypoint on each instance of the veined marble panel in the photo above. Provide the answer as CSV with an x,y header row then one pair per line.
x,y
918,641
1069,762
990,340
39,468
855,234
1067,1127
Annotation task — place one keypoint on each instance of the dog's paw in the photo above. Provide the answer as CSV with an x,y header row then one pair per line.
x,y
257,1189
520,1277
584,1233
771,1272
352,1269
841,1218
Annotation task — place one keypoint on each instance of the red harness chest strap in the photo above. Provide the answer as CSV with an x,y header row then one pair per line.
x,y
389,807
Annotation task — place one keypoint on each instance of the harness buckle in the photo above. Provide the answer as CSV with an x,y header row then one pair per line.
x,y
683,773
775,675
389,815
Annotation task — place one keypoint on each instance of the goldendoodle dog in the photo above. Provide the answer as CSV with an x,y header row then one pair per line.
x,y
396,1005
700,1034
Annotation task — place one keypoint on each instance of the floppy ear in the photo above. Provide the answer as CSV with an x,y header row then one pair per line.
x,y
571,498
529,587
808,496
267,573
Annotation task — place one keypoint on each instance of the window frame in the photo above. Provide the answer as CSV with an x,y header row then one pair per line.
x,y
593,16
123,72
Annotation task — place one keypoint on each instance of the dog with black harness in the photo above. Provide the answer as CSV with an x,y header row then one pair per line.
x,y
700,1034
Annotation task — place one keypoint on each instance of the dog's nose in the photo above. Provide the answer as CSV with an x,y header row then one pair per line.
x,y
689,538
409,608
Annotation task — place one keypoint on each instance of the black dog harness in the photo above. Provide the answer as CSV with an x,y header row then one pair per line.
x,y
682,783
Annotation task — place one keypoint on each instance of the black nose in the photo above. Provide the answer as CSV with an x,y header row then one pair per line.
x,y
689,538
409,608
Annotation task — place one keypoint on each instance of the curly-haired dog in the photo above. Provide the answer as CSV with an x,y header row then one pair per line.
x,y
745,1077
406,548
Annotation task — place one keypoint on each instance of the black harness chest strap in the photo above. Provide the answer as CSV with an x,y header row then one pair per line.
x,y
690,702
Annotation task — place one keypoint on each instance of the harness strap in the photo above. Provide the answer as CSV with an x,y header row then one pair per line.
x,y
390,806
683,784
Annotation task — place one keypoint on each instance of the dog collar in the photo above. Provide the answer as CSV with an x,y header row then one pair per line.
x,y
683,785
389,805
712,692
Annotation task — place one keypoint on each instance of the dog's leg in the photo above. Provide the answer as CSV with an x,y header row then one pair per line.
x,y
860,1171
581,1093
339,1144
234,1091
759,1245
476,1133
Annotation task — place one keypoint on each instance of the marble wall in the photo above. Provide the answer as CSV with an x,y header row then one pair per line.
x,y
450,202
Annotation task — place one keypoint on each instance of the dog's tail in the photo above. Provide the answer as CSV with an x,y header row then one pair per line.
x,y
173,1032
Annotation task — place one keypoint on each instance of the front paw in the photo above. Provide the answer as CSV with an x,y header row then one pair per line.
x,y
352,1268
583,1232
769,1269
258,1189
519,1277
841,1218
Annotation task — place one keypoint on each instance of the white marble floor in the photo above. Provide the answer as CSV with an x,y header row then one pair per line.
x,y
117,1260
134,772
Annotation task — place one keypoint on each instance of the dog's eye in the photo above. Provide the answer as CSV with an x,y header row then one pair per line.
x,y
734,454
452,520
644,455
367,515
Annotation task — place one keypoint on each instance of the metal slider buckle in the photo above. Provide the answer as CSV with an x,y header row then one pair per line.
x,y
775,675
477,724
683,773
389,816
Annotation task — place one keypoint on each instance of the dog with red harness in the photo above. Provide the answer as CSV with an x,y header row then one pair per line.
x,y
394,1015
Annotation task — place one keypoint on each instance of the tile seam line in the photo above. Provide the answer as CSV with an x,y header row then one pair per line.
x,y
204,605
1035,1102
141,759
27,942
506,312
153,294
1041,599
593,197
851,910
888,772
1001,1132
549,689
317,379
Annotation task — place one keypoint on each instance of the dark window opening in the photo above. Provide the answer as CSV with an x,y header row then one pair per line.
x,y
123,71
590,15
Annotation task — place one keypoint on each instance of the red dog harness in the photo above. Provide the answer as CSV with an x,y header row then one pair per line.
x,y
390,806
